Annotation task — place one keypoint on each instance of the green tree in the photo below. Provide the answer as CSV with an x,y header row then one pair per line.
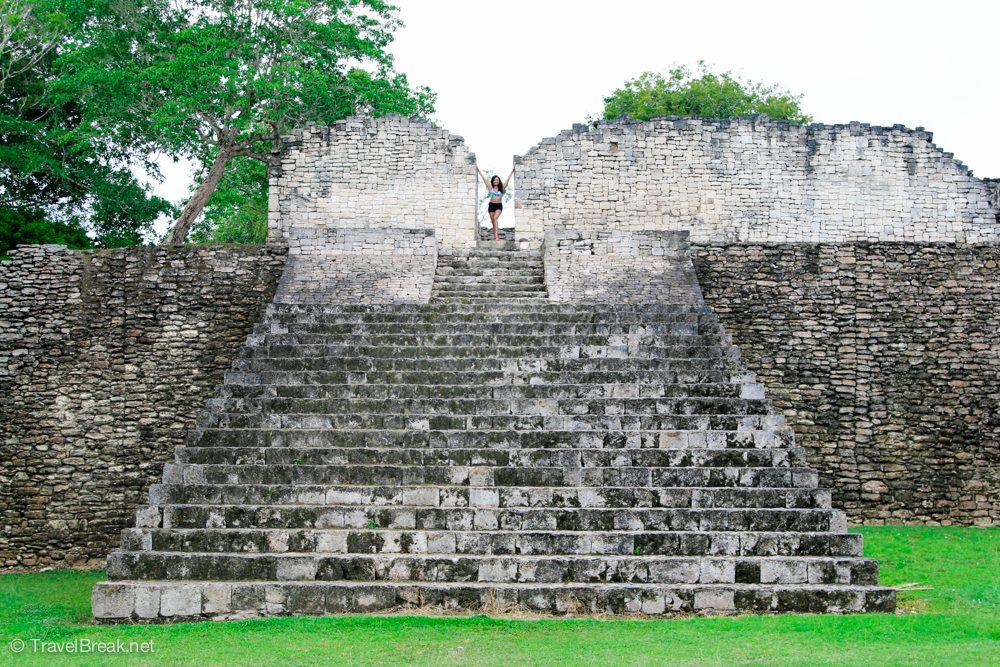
x,y
705,93
30,226
218,80
237,211
60,176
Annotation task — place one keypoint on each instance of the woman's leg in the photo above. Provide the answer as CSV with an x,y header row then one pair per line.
x,y
494,217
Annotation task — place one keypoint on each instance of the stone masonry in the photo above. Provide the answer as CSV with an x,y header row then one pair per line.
x,y
351,265
752,179
993,190
881,354
885,359
489,454
387,172
610,266
105,358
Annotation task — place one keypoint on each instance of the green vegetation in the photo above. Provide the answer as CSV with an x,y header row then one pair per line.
x,y
237,211
950,615
708,94
61,176
214,80
91,91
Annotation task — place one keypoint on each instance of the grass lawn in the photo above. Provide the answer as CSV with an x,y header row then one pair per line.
x,y
950,615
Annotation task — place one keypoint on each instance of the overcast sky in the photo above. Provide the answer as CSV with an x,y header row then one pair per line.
x,y
511,72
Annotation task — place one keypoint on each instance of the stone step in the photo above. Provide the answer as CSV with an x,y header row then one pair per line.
x,y
487,290
363,348
506,283
240,514
510,283
488,276
297,477
480,406
459,495
448,295
502,253
499,361
471,298
508,243
494,378
484,322
462,262
486,297
453,269
512,440
438,339
496,392
498,292
506,278
615,332
394,421
447,269
497,542
588,312
158,565
565,457
501,258
175,600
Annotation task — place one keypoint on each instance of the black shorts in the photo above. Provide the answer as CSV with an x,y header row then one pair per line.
x,y
494,206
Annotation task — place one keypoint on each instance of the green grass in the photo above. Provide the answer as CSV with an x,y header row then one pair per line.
x,y
952,617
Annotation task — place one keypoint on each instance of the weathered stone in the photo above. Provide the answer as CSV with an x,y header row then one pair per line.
x,y
105,358
868,349
754,180
388,172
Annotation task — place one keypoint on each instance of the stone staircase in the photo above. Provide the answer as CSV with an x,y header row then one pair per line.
x,y
488,451
489,274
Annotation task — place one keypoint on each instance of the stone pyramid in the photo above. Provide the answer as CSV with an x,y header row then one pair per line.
x,y
489,450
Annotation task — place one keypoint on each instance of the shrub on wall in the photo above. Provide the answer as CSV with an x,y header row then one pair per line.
x,y
19,226
705,93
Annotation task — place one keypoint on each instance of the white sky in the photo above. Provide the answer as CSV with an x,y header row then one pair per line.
x,y
511,72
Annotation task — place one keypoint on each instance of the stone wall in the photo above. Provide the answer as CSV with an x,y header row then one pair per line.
x,y
356,265
754,180
885,359
993,190
610,265
106,359
386,172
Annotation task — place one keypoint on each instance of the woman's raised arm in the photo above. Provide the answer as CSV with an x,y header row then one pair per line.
x,y
483,176
507,182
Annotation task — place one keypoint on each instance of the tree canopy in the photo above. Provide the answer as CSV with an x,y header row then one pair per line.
x,y
60,176
682,92
92,92
219,80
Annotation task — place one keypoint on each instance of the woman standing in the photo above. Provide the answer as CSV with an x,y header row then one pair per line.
x,y
496,189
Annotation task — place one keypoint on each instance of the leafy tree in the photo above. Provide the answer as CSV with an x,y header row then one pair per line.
x,y
30,226
237,211
27,34
60,175
708,94
218,80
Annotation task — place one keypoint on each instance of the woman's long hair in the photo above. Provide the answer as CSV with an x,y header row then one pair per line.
x,y
496,183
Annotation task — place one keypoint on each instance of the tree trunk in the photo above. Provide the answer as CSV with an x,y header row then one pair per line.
x,y
195,205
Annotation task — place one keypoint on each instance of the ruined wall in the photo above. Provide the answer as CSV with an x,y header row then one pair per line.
x,y
386,172
610,265
993,193
357,265
756,180
106,359
885,358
